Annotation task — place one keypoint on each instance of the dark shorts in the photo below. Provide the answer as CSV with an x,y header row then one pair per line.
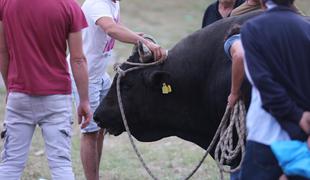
x,y
260,164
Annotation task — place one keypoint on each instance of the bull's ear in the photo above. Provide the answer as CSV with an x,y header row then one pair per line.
x,y
157,78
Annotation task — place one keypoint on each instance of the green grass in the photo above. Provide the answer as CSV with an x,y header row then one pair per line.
x,y
170,158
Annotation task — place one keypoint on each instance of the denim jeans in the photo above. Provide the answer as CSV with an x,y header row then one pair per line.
x,y
235,175
260,164
24,112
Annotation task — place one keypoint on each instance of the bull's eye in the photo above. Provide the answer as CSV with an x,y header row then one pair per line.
x,y
126,86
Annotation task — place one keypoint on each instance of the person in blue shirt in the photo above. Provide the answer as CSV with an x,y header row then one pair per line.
x,y
277,63
234,50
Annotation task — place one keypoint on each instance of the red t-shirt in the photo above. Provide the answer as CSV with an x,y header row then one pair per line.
x,y
36,32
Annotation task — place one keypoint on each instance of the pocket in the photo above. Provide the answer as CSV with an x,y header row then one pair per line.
x,y
64,148
5,139
66,129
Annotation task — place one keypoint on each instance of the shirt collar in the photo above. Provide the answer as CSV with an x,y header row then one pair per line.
x,y
270,4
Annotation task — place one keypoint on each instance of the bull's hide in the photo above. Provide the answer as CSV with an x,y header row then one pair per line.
x,y
199,74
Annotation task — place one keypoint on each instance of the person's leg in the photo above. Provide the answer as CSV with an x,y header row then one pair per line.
x,y
100,139
235,175
89,155
17,134
88,146
92,135
259,163
106,84
56,125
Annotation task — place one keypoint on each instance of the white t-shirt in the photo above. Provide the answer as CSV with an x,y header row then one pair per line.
x,y
97,45
262,126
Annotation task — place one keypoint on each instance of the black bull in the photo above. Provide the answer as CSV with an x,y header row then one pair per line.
x,y
199,74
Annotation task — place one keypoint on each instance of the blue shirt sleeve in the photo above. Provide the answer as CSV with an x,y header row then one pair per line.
x,y
229,42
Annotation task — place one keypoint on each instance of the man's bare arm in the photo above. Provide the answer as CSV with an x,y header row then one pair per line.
x,y
79,69
4,56
237,72
123,34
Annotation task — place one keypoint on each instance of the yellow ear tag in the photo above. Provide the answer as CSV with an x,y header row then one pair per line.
x,y
169,88
166,89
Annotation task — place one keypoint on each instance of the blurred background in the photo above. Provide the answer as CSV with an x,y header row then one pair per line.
x,y
168,21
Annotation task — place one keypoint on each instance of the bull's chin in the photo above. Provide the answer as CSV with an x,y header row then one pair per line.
x,y
149,136
115,131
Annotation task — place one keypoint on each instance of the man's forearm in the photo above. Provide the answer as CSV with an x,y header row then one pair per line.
x,y
80,74
237,75
4,56
4,63
124,34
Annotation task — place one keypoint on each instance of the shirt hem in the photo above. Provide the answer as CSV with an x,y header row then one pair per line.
x,y
41,93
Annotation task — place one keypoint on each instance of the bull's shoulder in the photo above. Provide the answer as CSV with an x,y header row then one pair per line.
x,y
211,36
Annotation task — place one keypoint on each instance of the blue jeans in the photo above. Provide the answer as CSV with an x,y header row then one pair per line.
x,y
260,164
235,175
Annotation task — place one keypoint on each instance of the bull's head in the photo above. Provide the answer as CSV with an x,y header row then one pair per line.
x,y
141,91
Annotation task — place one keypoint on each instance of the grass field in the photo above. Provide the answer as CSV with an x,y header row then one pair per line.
x,y
171,158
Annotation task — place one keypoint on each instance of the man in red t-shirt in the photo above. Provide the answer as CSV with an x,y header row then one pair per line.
x,y
33,38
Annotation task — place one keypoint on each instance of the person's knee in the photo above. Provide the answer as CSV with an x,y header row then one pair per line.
x,y
59,154
12,155
10,172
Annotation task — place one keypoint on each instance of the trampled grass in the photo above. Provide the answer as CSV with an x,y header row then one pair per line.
x,y
171,158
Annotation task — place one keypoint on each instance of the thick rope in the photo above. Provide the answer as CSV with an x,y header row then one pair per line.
x,y
225,151
222,130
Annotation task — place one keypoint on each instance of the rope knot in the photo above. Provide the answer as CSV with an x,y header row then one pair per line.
x,y
116,66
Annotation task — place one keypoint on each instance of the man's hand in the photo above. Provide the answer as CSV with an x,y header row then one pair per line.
x,y
84,114
232,99
159,53
283,177
305,122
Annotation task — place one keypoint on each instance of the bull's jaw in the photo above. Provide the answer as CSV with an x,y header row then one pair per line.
x,y
111,125
114,132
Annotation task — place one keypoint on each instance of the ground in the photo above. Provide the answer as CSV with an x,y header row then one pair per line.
x,y
171,158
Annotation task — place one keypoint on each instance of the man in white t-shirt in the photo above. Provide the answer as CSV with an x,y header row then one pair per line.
x,y
103,17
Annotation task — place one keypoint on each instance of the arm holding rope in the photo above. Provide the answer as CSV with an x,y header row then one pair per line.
x,y
237,72
123,34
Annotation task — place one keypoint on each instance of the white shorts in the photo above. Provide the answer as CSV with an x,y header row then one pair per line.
x,y
97,91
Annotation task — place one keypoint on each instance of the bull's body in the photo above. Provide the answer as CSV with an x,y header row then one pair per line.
x,y
199,73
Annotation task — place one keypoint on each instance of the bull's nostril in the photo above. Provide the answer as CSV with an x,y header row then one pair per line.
x,y
96,119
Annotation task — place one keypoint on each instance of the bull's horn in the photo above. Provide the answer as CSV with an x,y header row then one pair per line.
x,y
145,53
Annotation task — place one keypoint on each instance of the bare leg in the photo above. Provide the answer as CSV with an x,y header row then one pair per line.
x,y
100,144
89,155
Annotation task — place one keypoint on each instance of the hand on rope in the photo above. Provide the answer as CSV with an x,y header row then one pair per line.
x,y
225,150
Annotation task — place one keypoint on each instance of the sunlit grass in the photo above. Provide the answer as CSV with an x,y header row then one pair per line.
x,y
171,158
